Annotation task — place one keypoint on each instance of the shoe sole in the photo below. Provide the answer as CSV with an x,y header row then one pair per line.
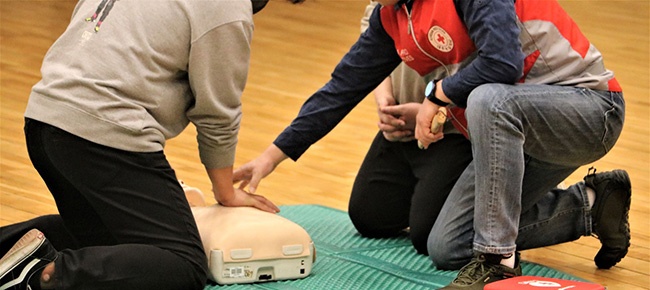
x,y
625,204
608,257
22,250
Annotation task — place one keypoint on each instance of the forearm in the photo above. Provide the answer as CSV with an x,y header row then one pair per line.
x,y
384,93
222,187
365,66
273,155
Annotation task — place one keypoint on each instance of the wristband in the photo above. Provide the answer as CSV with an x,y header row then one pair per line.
x,y
430,93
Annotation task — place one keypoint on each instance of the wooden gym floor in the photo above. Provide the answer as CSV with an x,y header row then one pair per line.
x,y
295,48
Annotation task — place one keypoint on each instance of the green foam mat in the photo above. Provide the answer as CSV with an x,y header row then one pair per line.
x,y
345,260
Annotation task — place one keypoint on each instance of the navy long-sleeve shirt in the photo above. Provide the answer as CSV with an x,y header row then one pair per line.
x,y
373,57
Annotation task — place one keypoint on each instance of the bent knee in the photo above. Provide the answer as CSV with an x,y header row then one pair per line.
x,y
197,277
488,94
491,96
419,237
448,261
447,255
490,103
368,225
375,231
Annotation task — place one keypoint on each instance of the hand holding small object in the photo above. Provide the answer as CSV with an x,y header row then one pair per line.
x,y
436,124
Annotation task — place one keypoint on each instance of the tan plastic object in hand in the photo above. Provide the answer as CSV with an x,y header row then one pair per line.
x,y
437,123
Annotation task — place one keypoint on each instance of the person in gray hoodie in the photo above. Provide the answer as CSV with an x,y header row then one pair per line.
x,y
123,78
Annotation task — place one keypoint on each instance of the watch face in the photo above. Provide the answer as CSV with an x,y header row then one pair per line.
x,y
429,89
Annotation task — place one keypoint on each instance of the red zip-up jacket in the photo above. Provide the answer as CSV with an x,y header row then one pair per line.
x,y
470,43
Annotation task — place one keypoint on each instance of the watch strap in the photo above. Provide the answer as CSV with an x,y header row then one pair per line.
x,y
430,93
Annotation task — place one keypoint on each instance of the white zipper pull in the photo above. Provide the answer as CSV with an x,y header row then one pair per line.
x,y
408,15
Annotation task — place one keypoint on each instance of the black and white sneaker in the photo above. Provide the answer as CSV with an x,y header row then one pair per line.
x,y
27,257
609,214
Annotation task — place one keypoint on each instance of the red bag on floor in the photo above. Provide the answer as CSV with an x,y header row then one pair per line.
x,y
540,283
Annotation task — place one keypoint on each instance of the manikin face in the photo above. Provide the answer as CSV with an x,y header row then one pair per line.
x,y
387,2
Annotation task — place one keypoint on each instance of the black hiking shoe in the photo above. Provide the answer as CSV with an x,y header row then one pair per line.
x,y
609,214
27,257
483,269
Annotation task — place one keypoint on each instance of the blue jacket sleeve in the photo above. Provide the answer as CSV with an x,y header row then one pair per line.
x,y
370,60
492,26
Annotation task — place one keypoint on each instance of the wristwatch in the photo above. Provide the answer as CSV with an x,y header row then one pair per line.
x,y
430,93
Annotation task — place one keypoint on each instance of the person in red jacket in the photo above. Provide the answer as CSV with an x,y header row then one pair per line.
x,y
555,110
539,104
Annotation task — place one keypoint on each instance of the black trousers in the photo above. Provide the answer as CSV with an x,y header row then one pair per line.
x,y
126,222
401,186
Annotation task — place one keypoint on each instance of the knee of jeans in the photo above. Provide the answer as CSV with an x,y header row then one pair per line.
x,y
439,253
489,102
484,97
444,254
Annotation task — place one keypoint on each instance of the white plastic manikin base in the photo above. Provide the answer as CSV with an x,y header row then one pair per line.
x,y
247,245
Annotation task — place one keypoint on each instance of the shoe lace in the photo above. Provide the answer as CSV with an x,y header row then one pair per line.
x,y
473,271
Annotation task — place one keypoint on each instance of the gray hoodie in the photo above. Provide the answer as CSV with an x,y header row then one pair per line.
x,y
130,74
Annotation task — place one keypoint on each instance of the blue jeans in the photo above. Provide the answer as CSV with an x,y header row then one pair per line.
x,y
526,139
